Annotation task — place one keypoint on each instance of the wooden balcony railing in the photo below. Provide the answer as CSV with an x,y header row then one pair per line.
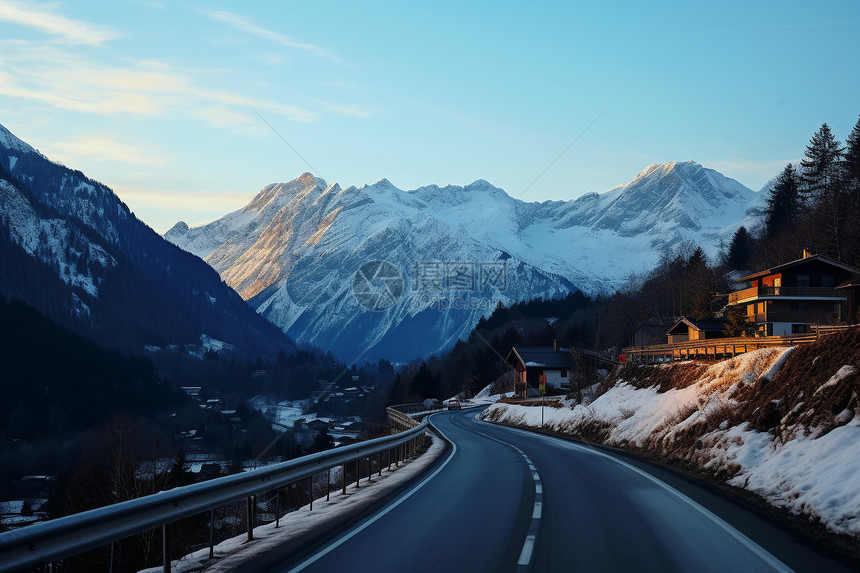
x,y
788,292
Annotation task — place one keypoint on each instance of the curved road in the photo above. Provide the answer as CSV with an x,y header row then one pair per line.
x,y
509,500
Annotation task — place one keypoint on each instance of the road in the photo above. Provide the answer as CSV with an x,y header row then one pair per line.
x,y
509,500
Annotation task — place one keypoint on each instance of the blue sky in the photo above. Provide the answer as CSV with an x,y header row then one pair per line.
x,y
175,105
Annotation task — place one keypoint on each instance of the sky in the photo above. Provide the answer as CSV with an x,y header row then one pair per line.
x,y
188,109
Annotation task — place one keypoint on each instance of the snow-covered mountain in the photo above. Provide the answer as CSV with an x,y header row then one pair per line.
x,y
296,251
70,248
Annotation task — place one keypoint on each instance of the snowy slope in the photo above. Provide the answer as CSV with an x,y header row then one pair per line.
x,y
294,250
78,254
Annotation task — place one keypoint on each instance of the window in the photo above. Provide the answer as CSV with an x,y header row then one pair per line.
x,y
799,328
802,280
827,281
563,373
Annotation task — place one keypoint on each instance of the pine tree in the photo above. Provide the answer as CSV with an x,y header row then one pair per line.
x,y
851,161
851,177
700,285
784,202
737,323
739,250
823,185
821,164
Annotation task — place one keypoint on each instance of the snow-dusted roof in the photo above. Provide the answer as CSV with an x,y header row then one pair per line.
x,y
539,357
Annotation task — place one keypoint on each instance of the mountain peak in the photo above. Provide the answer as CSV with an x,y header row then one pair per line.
x,y
306,178
179,228
10,142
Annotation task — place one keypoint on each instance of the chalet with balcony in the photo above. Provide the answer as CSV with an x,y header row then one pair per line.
x,y
793,297
535,363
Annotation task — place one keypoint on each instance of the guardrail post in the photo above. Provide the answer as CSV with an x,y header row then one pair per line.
x,y
165,549
328,485
311,508
277,507
357,474
343,479
379,462
110,567
250,515
212,533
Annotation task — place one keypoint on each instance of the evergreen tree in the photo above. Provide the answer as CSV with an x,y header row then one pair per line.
x,y
737,323
821,164
823,184
851,177
851,161
784,202
739,250
700,285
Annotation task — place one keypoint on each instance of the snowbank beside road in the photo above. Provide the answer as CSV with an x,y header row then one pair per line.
x,y
809,470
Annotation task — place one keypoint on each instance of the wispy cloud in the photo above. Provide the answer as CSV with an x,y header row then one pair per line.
x,y
245,25
159,207
149,89
359,111
108,149
42,18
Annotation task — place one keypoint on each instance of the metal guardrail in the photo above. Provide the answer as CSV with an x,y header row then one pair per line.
x,y
400,416
75,534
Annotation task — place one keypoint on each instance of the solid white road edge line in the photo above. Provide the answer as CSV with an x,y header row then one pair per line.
x,y
376,517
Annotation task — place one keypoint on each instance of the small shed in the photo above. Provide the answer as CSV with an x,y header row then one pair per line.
x,y
652,332
686,330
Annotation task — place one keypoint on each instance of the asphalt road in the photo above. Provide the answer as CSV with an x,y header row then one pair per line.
x,y
509,500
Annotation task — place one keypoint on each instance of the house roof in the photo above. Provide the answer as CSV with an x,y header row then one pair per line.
x,y
708,325
539,357
798,262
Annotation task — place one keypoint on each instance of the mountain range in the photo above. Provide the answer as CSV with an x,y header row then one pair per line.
x,y
376,271
73,250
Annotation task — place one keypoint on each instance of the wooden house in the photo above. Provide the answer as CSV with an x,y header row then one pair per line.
x,y
686,329
535,363
792,297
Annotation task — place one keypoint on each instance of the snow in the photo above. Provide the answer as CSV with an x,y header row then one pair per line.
x,y
812,472
815,476
12,161
236,553
295,249
284,413
47,240
843,373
